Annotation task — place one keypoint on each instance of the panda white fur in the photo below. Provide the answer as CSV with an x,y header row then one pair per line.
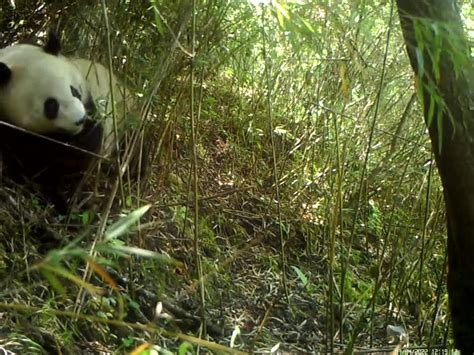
x,y
112,102
111,99
46,93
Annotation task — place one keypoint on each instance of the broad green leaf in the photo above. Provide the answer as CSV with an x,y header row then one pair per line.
x,y
301,275
185,348
124,223
54,281
159,24
234,335
439,121
125,250
420,62
431,109
308,25
70,276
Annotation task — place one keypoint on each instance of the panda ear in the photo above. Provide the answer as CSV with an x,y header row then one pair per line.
x,y
5,74
53,44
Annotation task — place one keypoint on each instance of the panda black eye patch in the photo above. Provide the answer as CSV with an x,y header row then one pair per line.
x,y
51,108
75,92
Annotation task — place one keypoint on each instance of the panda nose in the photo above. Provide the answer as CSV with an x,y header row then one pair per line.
x,y
81,121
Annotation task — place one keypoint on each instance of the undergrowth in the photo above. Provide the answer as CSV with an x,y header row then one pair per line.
x,y
303,243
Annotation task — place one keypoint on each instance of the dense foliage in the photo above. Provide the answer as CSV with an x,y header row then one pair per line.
x,y
291,200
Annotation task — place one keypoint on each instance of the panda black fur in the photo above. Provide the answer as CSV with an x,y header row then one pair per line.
x,y
45,93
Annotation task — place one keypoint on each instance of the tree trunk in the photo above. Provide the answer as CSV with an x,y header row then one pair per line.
x,y
440,57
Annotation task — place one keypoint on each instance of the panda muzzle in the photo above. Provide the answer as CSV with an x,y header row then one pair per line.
x,y
81,121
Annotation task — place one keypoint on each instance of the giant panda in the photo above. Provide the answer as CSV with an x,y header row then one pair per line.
x,y
115,108
48,135
111,100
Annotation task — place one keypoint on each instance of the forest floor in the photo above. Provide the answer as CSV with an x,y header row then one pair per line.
x,y
249,304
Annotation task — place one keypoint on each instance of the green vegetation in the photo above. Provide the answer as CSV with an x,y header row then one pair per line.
x,y
291,201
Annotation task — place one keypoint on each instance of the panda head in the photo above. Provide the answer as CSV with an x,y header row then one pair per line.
x,y
41,91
